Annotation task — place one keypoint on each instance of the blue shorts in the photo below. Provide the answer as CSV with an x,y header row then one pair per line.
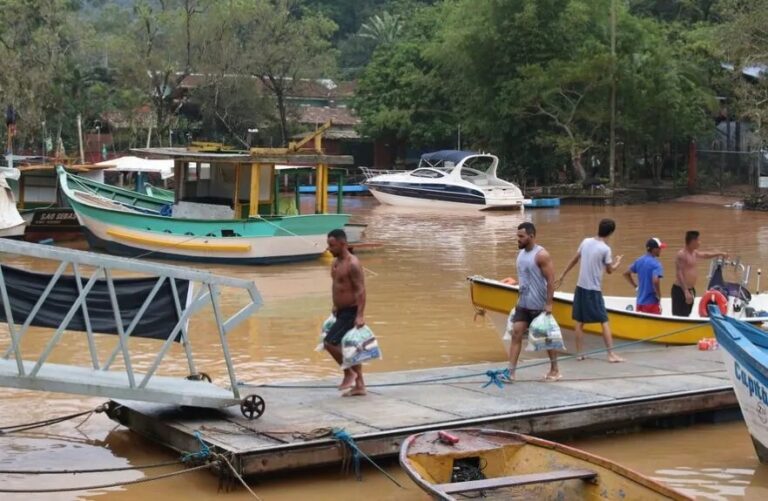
x,y
589,307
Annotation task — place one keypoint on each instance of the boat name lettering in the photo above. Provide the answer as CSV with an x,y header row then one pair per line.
x,y
753,385
59,215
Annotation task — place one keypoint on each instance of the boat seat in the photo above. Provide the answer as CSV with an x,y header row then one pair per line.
x,y
516,480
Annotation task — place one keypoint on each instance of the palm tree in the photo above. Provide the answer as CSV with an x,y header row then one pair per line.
x,y
383,29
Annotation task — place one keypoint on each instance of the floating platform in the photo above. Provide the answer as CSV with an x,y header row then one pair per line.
x,y
542,203
657,383
350,189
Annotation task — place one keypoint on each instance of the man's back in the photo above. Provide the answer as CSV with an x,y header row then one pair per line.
x,y
595,255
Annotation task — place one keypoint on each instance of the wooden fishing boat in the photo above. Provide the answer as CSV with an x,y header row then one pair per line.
x,y
498,299
495,464
745,353
128,223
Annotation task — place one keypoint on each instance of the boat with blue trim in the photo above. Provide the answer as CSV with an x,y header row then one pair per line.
x,y
447,179
745,354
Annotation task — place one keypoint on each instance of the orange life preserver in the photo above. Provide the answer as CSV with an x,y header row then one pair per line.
x,y
713,297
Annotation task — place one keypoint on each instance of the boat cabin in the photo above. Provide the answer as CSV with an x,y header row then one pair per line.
x,y
213,182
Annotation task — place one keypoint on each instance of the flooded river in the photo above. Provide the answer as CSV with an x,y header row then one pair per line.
x,y
418,305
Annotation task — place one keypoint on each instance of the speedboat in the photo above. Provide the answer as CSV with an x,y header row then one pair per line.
x,y
447,179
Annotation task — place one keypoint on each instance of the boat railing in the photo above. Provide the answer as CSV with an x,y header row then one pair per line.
x,y
93,287
368,172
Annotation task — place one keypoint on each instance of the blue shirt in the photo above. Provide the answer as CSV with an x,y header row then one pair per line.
x,y
647,268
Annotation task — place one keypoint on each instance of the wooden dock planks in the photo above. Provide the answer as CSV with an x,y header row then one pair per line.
x,y
593,395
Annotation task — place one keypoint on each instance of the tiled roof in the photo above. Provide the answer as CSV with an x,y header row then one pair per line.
x,y
318,115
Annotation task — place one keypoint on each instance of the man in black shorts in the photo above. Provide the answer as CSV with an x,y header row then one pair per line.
x,y
536,274
348,305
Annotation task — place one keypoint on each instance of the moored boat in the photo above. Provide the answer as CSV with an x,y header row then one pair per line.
x,y
448,179
497,464
498,299
131,224
745,354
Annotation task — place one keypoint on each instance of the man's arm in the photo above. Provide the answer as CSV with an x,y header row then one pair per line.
x,y
628,275
613,266
544,262
568,268
711,254
657,286
358,287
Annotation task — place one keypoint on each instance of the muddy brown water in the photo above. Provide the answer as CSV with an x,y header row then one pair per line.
x,y
418,305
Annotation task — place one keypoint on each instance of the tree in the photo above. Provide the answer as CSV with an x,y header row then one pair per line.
x,y
382,28
37,47
742,40
277,43
400,97
155,53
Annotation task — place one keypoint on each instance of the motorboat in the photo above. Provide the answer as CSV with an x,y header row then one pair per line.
x,y
448,179
498,299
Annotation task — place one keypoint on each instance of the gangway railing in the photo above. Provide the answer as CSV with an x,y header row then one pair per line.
x,y
163,299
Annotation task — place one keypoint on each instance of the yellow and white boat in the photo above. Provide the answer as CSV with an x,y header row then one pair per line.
x,y
495,464
498,299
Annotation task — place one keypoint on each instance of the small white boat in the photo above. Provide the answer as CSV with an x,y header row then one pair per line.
x,y
11,223
447,179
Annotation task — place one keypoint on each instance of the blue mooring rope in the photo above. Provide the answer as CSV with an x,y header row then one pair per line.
x,y
497,377
203,453
345,438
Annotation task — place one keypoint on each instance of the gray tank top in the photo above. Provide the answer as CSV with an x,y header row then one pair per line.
x,y
533,285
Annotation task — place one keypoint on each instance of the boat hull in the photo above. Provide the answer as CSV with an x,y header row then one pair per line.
x,y
498,299
515,466
16,231
130,242
747,367
440,202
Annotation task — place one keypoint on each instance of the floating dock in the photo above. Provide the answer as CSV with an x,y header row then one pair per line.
x,y
656,384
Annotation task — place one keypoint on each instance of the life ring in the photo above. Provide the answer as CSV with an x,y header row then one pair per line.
x,y
713,297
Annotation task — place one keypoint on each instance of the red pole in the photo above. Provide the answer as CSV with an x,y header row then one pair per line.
x,y
692,165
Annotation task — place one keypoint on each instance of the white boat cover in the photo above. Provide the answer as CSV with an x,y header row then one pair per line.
x,y
9,214
135,164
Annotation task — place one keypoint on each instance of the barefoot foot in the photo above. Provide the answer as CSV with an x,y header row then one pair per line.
x,y
551,377
614,358
354,392
348,381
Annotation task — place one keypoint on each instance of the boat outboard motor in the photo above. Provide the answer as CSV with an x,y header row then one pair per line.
x,y
738,295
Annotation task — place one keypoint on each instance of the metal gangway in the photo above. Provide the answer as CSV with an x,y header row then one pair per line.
x,y
181,292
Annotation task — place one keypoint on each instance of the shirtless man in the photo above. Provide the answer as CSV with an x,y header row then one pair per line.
x,y
348,306
683,290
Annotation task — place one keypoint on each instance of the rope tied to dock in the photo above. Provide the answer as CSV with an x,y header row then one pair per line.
x,y
349,445
17,428
497,377
201,455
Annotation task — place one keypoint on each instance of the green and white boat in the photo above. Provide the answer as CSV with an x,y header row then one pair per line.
x,y
129,223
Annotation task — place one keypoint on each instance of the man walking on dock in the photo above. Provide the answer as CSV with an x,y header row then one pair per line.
x,y
536,275
684,289
588,302
348,291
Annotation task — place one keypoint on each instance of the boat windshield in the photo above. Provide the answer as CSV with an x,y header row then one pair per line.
x,y
431,173
479,163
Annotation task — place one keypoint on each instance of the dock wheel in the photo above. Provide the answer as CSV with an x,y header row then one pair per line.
x,y
252,406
